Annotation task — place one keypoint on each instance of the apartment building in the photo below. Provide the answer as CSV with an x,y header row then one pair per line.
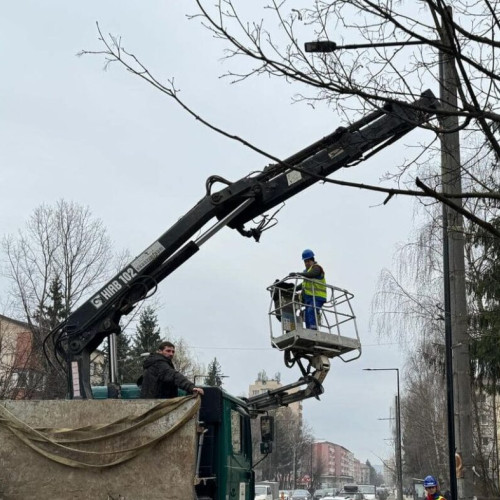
x,y
335,463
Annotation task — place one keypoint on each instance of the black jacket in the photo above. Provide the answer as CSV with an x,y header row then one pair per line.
x,y
160,379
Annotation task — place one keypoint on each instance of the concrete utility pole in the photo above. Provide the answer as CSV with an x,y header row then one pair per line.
x,y
457,313
399,444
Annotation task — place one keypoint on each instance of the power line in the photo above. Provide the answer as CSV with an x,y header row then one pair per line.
x,y
225,348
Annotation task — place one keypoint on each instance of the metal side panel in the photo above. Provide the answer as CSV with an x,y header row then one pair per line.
x,y
316,342
165,471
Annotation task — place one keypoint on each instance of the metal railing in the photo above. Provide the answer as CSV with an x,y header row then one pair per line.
x,y
334,318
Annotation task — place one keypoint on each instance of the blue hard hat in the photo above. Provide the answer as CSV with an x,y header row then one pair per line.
x,y
430,481
307,254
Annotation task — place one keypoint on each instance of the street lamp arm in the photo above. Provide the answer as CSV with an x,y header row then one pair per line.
x,y
329,46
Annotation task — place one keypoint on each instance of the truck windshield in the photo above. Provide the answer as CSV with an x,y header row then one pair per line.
x,y
260,490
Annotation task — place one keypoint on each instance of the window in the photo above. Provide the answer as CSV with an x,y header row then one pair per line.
x,y
236,432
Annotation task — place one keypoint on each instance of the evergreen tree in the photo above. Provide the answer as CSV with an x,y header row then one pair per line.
x,y
485,318
126,365
373,473
147,337
146,340
56,311
44,377
53,311
214,376
123,348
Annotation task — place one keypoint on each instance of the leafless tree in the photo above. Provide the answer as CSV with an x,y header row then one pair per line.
x,y
185,361
486,442
391,54
423,412
391,51
409,306
291,449
65,243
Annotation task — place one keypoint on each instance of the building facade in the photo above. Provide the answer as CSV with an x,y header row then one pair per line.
x,y
264,384
22,372
335,464
361,472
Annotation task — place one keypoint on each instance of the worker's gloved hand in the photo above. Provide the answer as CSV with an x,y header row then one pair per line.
x,y
293,274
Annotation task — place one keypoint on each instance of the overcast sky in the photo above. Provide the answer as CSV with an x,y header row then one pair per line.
x,y
107,140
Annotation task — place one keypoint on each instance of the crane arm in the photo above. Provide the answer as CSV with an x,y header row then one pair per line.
x,y
308,386
234,205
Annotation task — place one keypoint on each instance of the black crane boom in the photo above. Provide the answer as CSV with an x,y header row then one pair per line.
x,y
234,205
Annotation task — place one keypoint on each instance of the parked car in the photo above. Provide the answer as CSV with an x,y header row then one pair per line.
x,y
329,492
263,492
284,495
368,490
318,494
301,495
346,495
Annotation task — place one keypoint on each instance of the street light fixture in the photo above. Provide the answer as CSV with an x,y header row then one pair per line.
x,y
399,462
329,46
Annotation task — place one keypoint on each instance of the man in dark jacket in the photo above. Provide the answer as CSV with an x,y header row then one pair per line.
x,y
160,379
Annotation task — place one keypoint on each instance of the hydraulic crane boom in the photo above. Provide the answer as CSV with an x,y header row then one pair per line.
x,y
234,205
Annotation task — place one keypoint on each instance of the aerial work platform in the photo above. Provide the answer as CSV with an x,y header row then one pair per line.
x,y
336,334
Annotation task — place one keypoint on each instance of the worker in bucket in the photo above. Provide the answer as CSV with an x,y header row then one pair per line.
x,y
313,292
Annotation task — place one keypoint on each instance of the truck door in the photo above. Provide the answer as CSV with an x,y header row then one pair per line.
x,y
239,464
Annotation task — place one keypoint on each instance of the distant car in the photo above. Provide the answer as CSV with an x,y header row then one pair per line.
x,y
300,495
347,495
329,492
318,494
263,492
368,490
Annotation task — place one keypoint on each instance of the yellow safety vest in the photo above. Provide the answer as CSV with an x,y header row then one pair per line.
x,y
317,287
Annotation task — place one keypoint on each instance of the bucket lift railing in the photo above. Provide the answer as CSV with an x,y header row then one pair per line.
x,y
336,332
